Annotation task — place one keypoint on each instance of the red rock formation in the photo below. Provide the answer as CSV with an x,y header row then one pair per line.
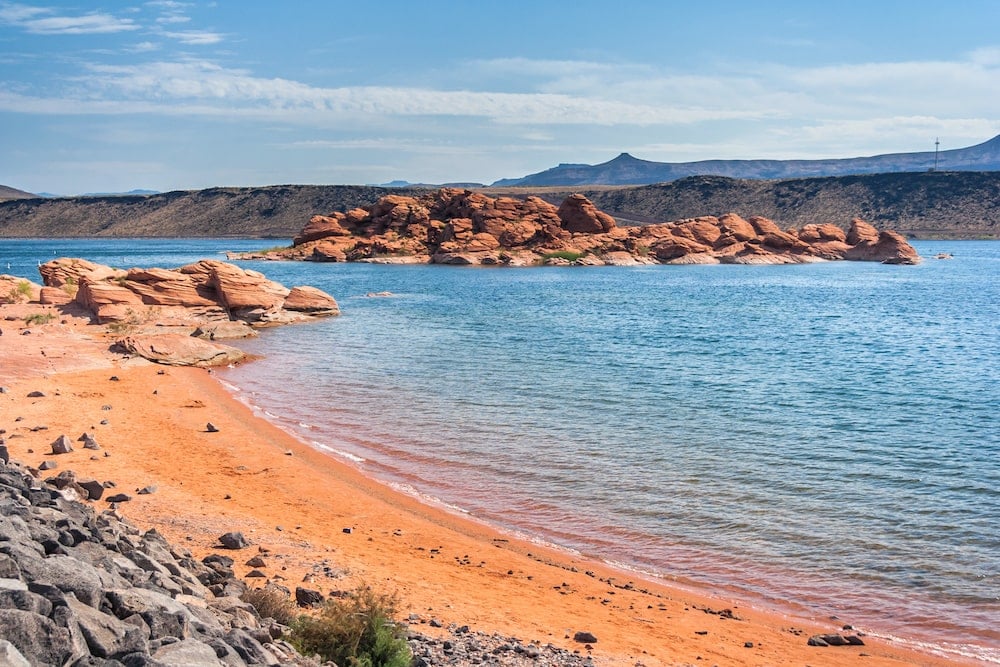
x,y
579,216
453,226
889,248
180,350
206,290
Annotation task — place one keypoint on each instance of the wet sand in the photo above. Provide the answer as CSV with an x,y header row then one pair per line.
x,y
323,525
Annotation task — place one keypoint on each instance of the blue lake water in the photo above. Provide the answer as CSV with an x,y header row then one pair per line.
x,y
820,438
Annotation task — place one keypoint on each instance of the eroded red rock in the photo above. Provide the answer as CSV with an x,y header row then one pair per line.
x,y
457,226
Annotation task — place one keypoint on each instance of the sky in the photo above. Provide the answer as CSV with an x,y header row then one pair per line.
x,y
176,95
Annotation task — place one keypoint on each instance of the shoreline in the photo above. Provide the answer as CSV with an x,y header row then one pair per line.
x,y
453,568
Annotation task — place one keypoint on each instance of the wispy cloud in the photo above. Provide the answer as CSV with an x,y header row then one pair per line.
x,y
238,91
45,21
196,37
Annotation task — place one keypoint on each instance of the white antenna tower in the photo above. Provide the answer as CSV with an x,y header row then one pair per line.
x,y
936,144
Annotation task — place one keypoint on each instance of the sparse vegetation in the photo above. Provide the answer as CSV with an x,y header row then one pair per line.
x,y
274,248
271,602
568,255
355,631
36,319
132,321
20,292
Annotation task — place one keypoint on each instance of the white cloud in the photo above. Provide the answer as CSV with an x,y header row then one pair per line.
x,y
239,92
174,18
143,47
41,21
196,37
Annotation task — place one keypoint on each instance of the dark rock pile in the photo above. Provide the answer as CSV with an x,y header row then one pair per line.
x,y
84,589
463,646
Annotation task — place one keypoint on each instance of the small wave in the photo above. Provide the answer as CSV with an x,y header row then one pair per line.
x,y
426,498
986,655
305,425
337,452
230,386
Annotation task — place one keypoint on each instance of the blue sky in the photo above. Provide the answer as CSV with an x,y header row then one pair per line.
x,y
111,96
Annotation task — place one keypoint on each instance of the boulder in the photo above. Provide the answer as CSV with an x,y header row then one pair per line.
x,y
180,350
888,248
234,540
321,227
579,215
305,299
36,638
861,232
61,445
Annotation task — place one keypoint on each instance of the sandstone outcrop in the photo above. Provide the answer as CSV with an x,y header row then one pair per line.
x,y
205,291
454,226
178,350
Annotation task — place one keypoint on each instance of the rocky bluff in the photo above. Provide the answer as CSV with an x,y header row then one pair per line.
x,y
455,226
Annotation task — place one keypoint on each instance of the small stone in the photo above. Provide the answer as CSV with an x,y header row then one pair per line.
x,y
93,488
348,530
256,574
256,561
233,540
119,498
105,407
113,378
104,422
62,445
146,490
585,638
305,597
817,640
747,644
211,428
48,465
36,394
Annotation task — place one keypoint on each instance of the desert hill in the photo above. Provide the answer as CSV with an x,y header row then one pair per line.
x,y
628,170
7,192
938,204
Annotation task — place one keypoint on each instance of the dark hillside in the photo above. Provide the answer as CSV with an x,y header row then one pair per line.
x,y
927,204
273,211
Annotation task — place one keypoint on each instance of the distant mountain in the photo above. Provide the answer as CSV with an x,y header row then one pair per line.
x,y
407,184
628,170
13,193
130,193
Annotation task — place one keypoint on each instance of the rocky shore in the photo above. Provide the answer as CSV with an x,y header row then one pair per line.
x,y
454,226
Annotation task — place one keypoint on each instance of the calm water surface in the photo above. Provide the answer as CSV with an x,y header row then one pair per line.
x,y
819,438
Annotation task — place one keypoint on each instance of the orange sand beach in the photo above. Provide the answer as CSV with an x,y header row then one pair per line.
x,y
296,505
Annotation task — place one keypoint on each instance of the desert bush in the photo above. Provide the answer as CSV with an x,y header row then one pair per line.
x,y
19,292
568,255
355,631
272,603
39,318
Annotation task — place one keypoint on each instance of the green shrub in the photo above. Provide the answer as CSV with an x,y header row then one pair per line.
x,y
39,318
568,255
18,293
272,603
355,631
